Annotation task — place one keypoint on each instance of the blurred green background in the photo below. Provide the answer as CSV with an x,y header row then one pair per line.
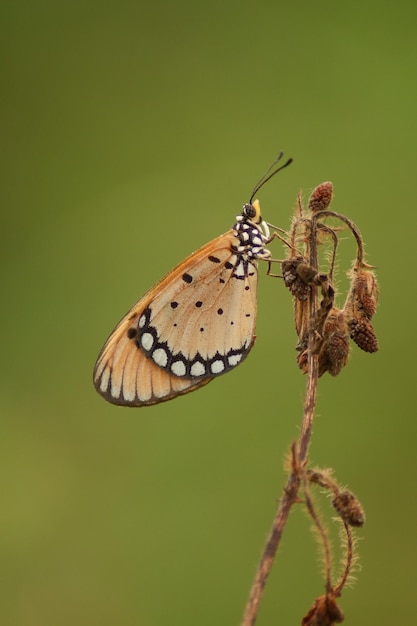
x,y
132,134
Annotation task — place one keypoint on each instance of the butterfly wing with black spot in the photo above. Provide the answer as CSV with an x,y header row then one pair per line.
x,y
198,322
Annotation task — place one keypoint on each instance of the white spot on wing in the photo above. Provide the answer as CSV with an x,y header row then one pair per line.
x,y
217,367
240,270
234,359
178,368
142,321
197,369
147,341
160,357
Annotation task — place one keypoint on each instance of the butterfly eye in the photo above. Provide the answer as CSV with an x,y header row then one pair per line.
x,y
252,212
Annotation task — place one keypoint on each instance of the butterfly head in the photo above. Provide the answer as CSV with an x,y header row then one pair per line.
x,y
252,212
251,215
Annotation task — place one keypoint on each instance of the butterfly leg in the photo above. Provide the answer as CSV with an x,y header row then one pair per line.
x,y
269,273
275,235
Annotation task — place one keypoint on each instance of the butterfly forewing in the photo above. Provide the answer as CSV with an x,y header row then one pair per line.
x,y
196,323
214,313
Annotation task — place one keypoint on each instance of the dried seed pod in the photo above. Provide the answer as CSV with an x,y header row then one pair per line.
x,y
345,503
360,307
324,612
334,352
337,352
363,295
363,334
367,292
298,276
349,508
321,197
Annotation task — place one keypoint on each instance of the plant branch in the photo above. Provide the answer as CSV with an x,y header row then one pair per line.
x,y
323,332
300,454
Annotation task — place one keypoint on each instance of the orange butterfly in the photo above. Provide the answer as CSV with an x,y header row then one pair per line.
x,y
195,324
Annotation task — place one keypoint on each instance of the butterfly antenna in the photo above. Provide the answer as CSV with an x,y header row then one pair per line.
x,y
268,174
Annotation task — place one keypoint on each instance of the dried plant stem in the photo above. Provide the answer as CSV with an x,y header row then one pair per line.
x,y
290,496
322,534
313,363
354,229
267,559
349,561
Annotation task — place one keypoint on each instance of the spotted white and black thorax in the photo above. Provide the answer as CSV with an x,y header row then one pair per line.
x,y
203,324
253,234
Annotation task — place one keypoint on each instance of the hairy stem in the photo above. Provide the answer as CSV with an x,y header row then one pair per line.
x,y
354,229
